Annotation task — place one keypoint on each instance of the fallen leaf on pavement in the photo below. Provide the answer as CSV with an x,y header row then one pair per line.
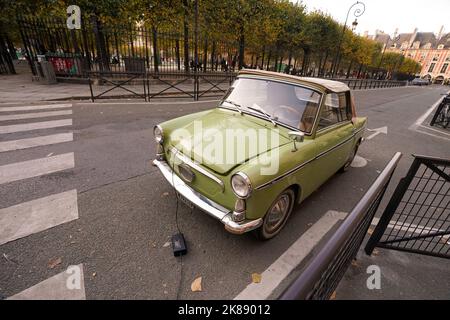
x,y
256,277
370,231
333,296
375,252
167,244
54,262
355,263
165,194
196,285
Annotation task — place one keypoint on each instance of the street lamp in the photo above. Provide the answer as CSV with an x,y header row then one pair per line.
x,y
358,9
354,24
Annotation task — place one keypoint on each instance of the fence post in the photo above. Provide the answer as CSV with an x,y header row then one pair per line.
x,y
155,49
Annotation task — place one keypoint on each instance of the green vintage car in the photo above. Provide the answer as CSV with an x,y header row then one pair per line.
x,y
271,141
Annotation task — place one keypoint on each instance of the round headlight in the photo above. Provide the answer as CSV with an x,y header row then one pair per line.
x,y
241,185
158,133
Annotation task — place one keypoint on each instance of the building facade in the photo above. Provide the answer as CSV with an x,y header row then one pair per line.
x,y
430,50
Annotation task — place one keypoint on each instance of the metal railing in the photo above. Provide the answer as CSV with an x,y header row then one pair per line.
x,y
147,86
323,273
417,217
371,84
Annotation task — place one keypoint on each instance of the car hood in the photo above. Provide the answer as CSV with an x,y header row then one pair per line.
x,y
223,139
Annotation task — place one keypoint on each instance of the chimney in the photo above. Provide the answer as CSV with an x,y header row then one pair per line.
x,y
395,33
413,36
441,33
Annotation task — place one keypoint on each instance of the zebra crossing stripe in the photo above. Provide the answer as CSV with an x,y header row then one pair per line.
x,y
35,115
37,167
37,215
37,107
35,142
35,126
67,285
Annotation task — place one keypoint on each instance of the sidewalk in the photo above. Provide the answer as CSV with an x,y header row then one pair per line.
x,y
20,88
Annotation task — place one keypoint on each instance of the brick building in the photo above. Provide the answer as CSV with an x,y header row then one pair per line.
x,y
430,50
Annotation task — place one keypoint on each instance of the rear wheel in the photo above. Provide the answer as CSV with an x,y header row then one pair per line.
x,y
350,158
277,215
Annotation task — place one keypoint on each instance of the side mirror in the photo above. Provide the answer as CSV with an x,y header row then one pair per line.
x,y
296,136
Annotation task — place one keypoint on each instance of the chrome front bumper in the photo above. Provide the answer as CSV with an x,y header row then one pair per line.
x,y
205,204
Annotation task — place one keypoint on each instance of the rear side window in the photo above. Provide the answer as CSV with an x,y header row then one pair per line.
x,y
336,109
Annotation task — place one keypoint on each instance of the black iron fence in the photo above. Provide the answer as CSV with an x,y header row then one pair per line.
x,y
6,55
98,47
441,116
323,273
372,84
159,53
417,217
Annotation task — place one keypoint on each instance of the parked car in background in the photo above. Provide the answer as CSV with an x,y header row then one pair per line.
x,y
420,82
317,134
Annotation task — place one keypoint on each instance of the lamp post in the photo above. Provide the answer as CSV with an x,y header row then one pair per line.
x,y
358,9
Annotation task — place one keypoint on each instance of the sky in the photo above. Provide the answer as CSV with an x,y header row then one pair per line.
x,y
387,15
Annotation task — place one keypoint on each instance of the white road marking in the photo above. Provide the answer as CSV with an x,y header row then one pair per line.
x,y
435,130
35,115
37,167
376,132
58,287
291,258
35,126
35,142
37,107
27,218
423,117
358,162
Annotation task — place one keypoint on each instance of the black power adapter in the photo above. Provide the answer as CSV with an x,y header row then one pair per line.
x,y
179,245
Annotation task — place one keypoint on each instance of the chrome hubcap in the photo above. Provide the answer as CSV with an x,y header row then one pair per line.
x,y
277,213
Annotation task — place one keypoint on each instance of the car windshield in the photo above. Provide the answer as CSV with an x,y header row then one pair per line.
x,y
287,104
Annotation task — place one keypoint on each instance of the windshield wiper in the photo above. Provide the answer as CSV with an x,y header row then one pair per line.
x,y
260,110
234,104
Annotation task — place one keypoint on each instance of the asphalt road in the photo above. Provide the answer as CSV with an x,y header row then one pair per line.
x,y
126,210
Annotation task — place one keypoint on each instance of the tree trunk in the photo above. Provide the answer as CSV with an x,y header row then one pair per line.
x,y
262,58
359,70
349,69
268,60
290,58
241,47
205,55
186,35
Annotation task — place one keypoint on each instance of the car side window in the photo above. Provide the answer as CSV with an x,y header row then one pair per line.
x,y
336,109
329,114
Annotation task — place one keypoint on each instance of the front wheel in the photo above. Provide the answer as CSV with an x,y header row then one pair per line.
x,y
277,215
